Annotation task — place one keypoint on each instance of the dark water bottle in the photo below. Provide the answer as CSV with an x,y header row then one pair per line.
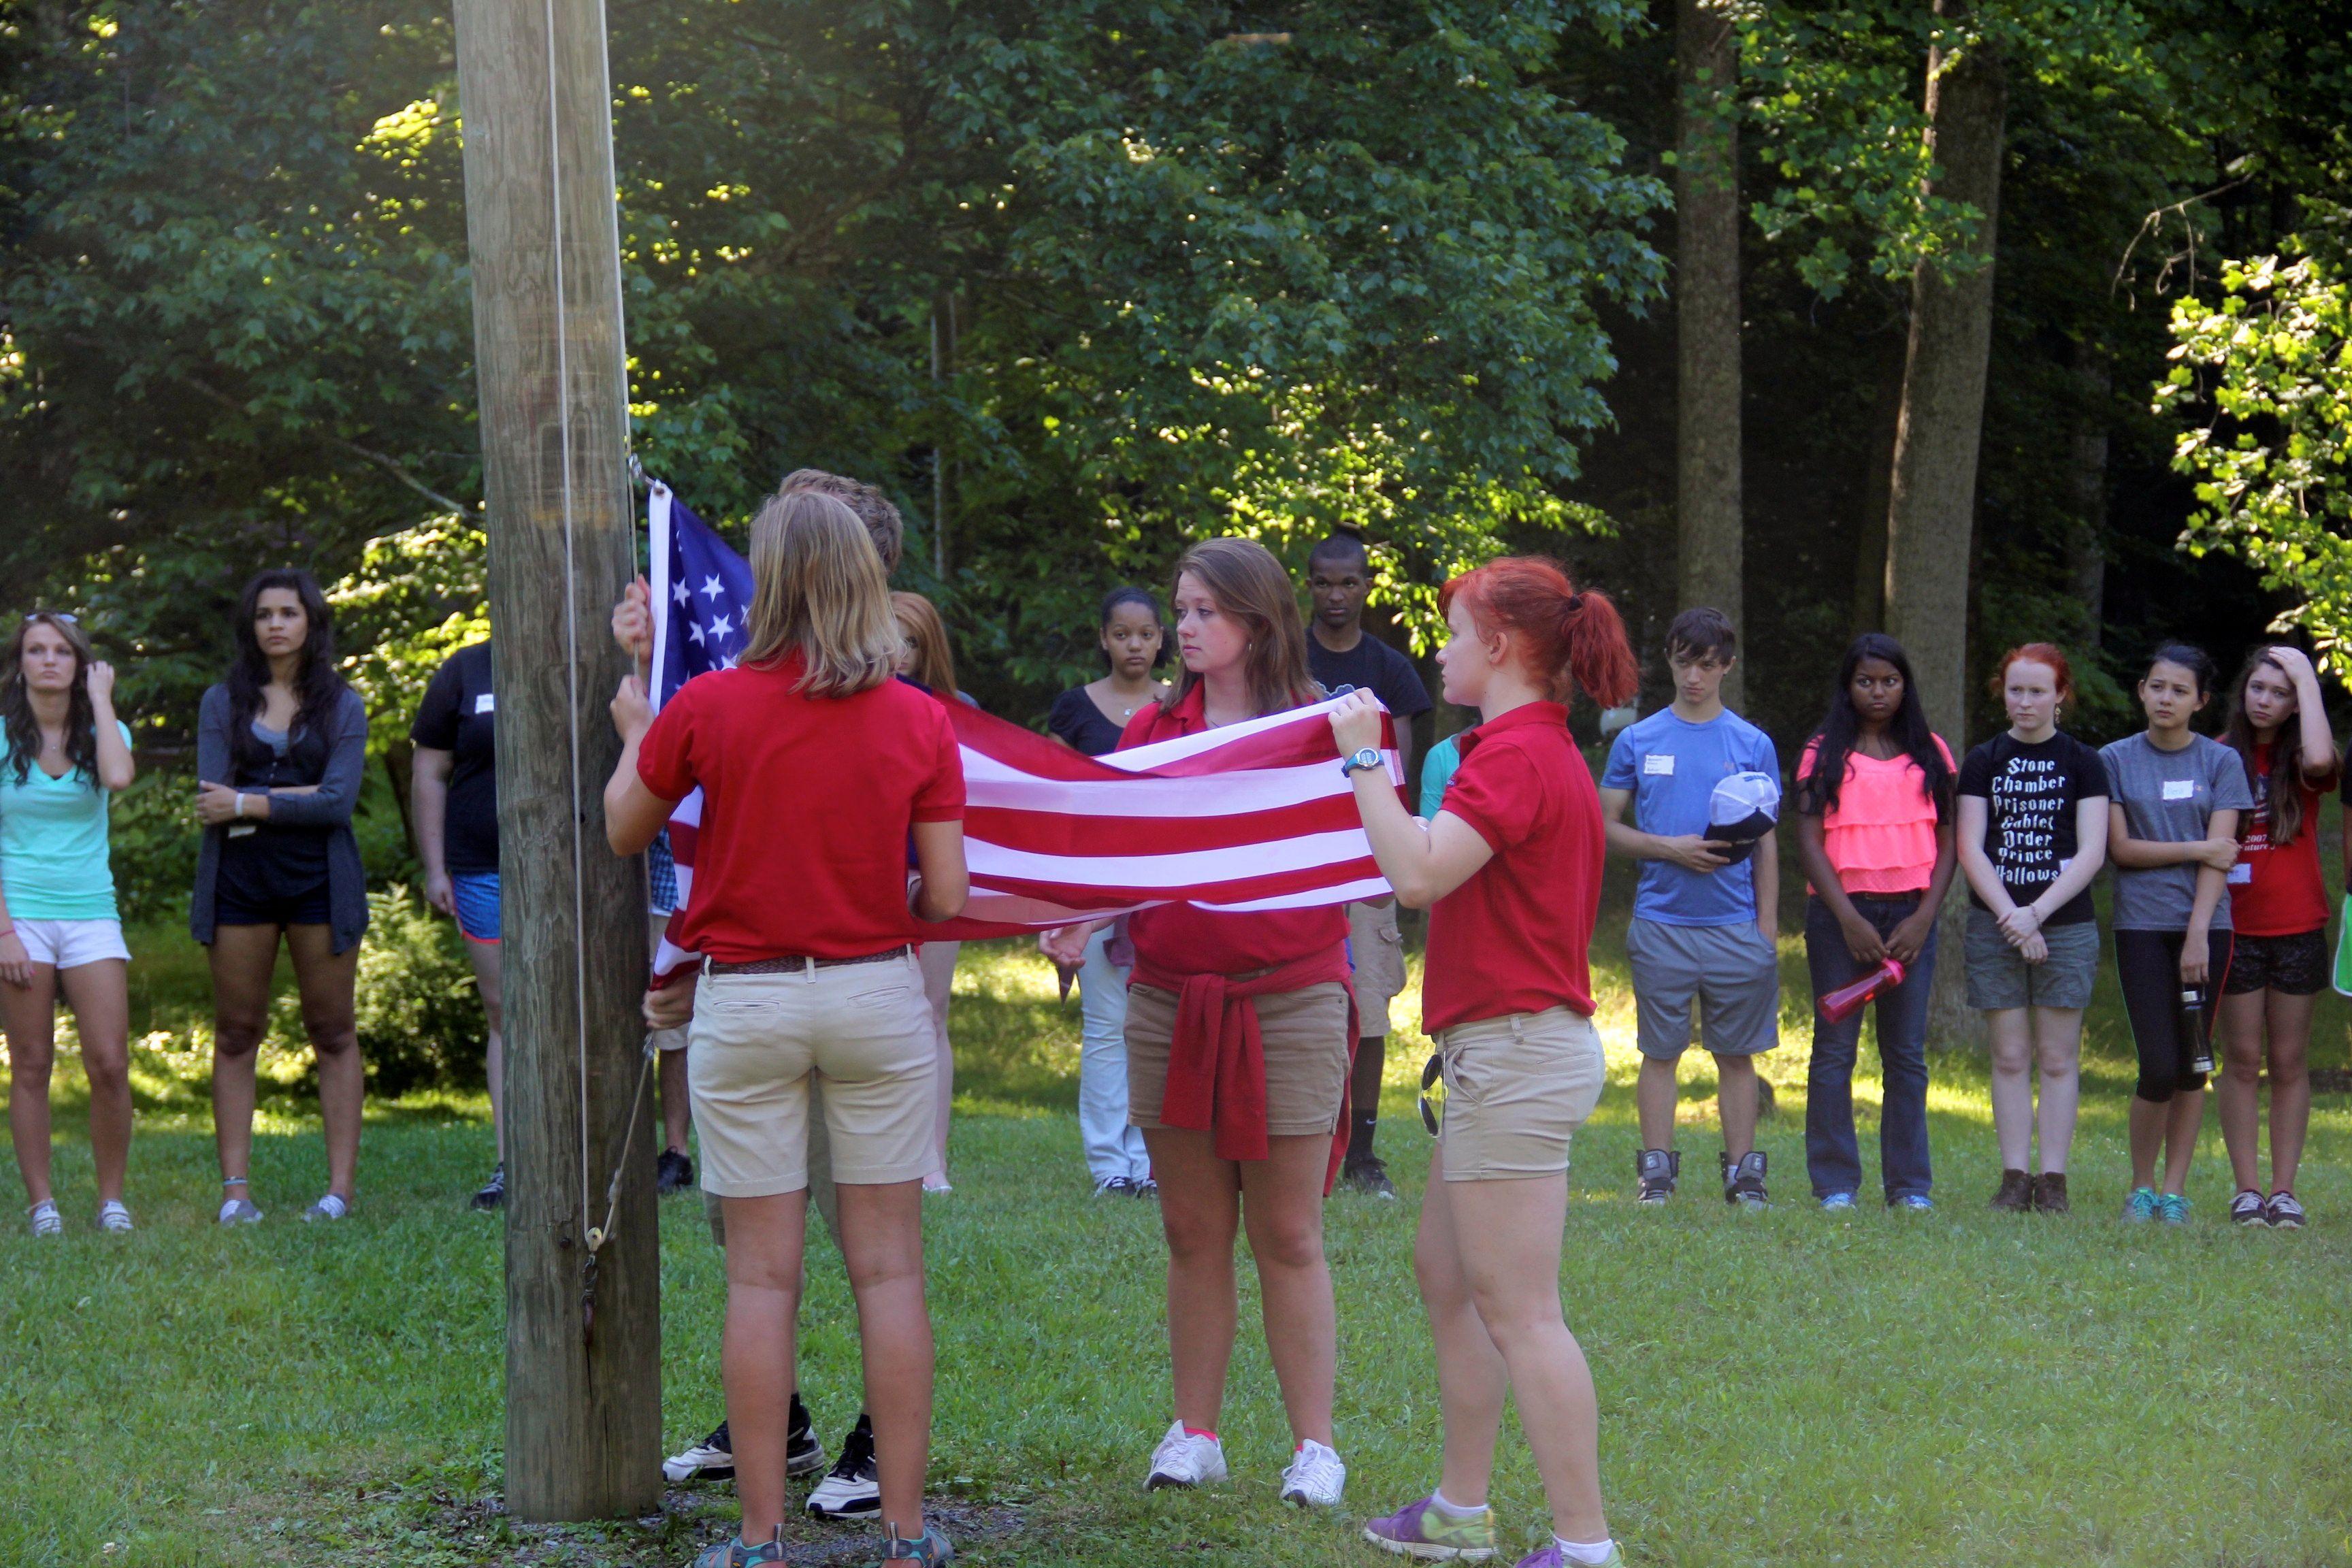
x,y
2193,1026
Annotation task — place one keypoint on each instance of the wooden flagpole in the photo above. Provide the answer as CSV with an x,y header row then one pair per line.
x,y
584,1369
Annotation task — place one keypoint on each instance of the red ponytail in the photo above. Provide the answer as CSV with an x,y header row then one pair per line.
x,y
1567,635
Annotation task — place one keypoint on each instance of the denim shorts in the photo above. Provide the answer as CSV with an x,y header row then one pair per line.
x,y
1999,979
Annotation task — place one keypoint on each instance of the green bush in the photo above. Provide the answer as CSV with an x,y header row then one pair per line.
x,y
152,829
420,1017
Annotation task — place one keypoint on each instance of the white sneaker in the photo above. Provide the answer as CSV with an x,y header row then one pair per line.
x,y
113,1217
330,1207
46,1220
239,1211
1314,1476
1184,1460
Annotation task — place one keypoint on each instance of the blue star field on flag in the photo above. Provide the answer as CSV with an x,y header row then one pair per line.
x,y
708,589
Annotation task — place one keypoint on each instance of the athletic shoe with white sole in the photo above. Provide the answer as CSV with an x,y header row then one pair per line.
x,y
1427,1533
1656,1170
712,1459
45,1219
1114,1187
1368,1174
2172,1209
329,1207
2248,1209
853,1488
804,1455
492,1195
2139,1208
239,1211
1743,1180
1553,1557
2285,1214
1184,1459
1315,1477
114,1217
1838,1203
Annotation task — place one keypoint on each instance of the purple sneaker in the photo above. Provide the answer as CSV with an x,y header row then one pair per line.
x,y
1552,1557
1419,1531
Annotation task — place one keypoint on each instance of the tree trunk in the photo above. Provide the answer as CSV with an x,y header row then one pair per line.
x,y
1707,316
584,1364
1869,554
2086,540
1931,506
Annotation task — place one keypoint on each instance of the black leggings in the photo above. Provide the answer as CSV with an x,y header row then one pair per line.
x,y
2148,964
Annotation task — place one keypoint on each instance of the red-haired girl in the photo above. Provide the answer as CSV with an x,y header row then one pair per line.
x,y
2033,813
1510,873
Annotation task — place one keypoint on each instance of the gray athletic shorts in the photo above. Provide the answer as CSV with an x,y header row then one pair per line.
x,y
1999,979
1732,973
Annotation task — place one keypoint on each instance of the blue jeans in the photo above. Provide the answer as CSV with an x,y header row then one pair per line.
x,y
1833,1158
1113,1147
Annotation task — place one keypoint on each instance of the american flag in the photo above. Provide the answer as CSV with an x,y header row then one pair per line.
x,y
1248,817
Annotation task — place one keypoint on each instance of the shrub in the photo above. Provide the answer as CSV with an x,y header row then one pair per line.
x,y
420,1015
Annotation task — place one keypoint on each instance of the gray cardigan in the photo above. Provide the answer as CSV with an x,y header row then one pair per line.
x,y
339,791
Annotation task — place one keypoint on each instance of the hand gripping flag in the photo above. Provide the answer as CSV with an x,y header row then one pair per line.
x,y
1248,817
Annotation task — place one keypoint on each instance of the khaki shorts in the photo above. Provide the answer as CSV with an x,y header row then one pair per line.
x,y
1306,1052
1517,1088
1376,948
825,1198
863,1031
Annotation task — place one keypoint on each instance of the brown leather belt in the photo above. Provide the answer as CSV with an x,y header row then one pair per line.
x,y
801,965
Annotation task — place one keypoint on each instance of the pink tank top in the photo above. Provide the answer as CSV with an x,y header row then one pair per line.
x,y
1881,835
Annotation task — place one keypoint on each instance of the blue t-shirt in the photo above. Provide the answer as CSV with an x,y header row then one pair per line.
x,y
1673,766
1437,771
53,864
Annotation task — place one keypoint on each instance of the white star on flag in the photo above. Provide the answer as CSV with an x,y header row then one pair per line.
x,y
679,591
694,630
722,627
712,586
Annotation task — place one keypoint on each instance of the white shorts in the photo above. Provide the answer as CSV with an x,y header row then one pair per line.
x,y
70,944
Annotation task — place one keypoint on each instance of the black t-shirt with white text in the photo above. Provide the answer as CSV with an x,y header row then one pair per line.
x,y
2031,794
459,715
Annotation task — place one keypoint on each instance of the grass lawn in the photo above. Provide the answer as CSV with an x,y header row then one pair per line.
x,y
1783,1388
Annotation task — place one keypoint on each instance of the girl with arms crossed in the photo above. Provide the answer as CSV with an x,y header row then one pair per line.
x,y
281,746
63,753
1204,979
2174,800
1510,870
818,988
2278,903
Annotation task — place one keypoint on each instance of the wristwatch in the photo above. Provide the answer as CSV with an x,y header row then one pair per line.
x,y
1369,757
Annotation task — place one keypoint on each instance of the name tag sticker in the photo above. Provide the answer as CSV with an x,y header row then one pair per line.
x,y
1659,763
2180,789
2242,873
488,702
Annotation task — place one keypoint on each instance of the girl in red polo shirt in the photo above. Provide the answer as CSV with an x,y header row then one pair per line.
x,y
1510,873
2278,905
1234,1149
823,984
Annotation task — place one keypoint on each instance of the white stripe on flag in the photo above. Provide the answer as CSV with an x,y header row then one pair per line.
x,y
1190,869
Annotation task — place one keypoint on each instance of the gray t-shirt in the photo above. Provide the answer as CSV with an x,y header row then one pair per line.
x,y
2168,798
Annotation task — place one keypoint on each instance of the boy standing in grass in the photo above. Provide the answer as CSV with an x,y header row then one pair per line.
x,y
1705,912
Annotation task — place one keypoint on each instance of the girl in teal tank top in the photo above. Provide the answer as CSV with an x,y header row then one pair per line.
x,y
64,753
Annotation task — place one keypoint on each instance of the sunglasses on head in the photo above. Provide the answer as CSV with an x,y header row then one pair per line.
x,y
1432,1073
65,615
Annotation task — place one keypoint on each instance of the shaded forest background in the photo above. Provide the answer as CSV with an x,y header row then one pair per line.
x,y
1078,283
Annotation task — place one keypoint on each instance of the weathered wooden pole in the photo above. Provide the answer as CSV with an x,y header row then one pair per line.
x,y
583,1367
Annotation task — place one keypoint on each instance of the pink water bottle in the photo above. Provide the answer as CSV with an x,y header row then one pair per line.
x,y
1847,1000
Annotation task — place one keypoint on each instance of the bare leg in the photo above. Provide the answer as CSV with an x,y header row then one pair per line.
x,y
1655,1094
1735,1104
939,961
326,978
677,1104
29,1015
2186,1118
1472,1380
2009,1031
2239,1092
1506,1235
489,980
1282,1212
882,1242
2290,1022
1200,1212
2149,1118
763,1299
99,994
2058,1049
243,961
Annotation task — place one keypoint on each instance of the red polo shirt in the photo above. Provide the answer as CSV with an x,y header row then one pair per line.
x,y
1188,940
806,804
1514,938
